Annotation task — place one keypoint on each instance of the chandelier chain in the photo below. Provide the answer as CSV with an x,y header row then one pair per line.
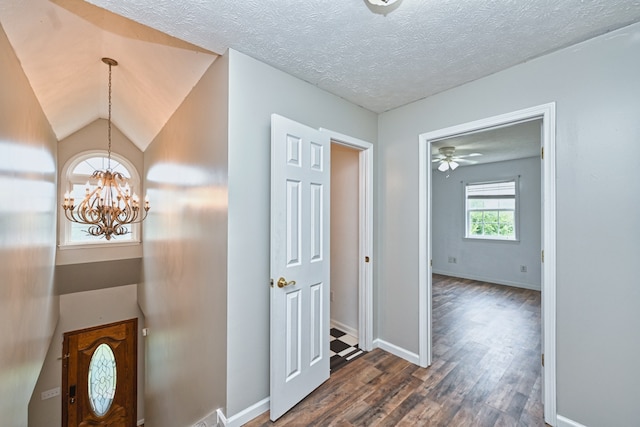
x,y
109,123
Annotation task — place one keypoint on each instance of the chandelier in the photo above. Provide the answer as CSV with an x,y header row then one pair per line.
x,y
108,205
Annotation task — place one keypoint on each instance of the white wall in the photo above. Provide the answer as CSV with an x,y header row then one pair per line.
x,y
83,310
595,86
28,307
257,90
496,261
183,294
344,238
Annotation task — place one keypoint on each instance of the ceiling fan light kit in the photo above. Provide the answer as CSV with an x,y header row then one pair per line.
x,y
382,2
446,165
448,162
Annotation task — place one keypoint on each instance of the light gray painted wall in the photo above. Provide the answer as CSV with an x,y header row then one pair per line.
x,y
257,90
595,85
79,311
344,237
28,308
184,290
495,261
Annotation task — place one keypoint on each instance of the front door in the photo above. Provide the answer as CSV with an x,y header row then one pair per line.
x,y
300,176
99,376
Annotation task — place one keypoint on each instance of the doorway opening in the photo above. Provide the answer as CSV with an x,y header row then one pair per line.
x,y
343,299
545,113
351,295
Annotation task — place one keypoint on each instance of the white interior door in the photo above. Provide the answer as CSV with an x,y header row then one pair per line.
x,y
300,178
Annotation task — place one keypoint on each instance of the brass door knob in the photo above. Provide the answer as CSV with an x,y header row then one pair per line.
x,y
282,282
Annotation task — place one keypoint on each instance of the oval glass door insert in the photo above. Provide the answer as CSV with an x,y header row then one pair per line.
x,y
102,379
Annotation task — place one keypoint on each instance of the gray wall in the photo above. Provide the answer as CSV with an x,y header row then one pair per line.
x,y
595,85
496,261
256,91
28,308
183,293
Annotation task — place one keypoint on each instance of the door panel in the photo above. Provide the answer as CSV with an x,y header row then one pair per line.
x,y
300,205
107,397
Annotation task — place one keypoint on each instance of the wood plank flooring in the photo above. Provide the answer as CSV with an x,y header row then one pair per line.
x,y
485,371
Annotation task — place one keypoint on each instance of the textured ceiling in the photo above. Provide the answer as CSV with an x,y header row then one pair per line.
x,y
379,61
348,47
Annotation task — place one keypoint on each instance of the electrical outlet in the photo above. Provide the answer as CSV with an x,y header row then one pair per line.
x,y
50,393
453,260
331,296
523,269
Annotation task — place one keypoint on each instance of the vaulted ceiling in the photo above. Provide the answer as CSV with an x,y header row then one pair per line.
x,y
376,57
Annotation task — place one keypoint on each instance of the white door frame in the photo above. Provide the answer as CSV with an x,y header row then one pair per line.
x,y
365,245
547,113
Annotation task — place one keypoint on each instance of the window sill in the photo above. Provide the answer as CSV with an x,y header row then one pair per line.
x,y
96,245
490,240
95,252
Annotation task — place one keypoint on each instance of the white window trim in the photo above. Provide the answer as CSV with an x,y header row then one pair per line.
x,y
66,182
516,215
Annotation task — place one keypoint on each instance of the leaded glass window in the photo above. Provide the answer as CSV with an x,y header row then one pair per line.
x,y
102,379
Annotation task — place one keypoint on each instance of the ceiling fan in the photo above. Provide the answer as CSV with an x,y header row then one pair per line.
x,y
449,161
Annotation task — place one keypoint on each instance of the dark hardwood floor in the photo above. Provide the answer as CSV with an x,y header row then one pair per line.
x,y
485,371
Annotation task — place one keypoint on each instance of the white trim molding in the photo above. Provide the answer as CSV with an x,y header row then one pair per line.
x,y
243,416
566,422
365,245
397,351
546,112
344,328
210,420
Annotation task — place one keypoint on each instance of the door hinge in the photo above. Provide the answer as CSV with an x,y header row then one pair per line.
x,y
542,255
542,153
542,359
430,263
367,259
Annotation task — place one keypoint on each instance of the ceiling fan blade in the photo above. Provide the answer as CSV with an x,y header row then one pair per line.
x,y
460,160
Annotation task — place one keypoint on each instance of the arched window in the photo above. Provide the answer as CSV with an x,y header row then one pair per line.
x,y
75,174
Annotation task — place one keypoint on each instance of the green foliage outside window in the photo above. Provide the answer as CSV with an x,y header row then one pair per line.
x,y
492,223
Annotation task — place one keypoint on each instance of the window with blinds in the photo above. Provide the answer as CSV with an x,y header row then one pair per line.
x,y
491,210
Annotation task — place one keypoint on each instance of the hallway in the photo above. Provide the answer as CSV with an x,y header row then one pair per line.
x,y
485,372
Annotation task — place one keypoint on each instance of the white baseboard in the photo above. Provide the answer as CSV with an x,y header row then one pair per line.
x,y
566,422
245,415
488,280
397,351
222,420
140,422
344,328
210,420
